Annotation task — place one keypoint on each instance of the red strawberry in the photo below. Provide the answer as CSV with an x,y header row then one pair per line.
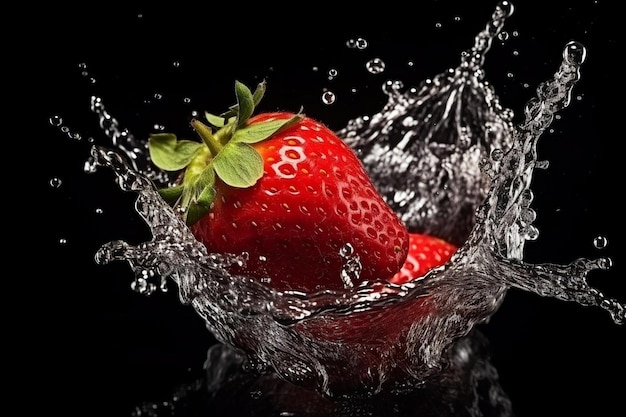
x,y
285,189
425,253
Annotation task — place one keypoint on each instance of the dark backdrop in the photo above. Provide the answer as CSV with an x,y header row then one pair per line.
x,y
103,347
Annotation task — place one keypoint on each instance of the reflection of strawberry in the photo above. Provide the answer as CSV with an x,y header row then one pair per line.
x,y
285,189
425,253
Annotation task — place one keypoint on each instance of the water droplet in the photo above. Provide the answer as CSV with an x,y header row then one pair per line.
x,y
392,87
55,182
497,154
55,120
506,8
328,97
361,43
346,250
600,242
315,69
574,53
375,66
90,166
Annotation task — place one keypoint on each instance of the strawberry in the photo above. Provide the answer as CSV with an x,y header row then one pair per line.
x,y
425,253
284,189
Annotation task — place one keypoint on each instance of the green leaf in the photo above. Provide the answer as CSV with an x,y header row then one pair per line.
x,y
195,213
172,194
171,154
214,120
245,102
205,186
239,165
261,131
259,92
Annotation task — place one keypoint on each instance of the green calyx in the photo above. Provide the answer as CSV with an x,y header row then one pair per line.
x,y
225,152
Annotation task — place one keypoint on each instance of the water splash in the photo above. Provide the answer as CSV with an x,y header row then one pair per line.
x,y
448,159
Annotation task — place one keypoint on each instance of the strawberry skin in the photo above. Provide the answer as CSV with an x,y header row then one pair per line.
x,y
313,198
425,253
285,190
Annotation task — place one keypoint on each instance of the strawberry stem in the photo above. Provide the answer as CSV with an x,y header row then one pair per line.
x,y
207,137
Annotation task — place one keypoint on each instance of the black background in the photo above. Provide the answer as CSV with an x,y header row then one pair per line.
x,y
100,348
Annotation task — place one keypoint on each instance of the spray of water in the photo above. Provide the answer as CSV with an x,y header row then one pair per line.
x,y
447,157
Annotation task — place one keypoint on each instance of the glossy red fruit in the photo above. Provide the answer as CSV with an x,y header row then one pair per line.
x,y
425,253
287,191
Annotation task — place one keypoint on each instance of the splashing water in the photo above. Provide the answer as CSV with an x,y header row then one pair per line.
x,y
448,159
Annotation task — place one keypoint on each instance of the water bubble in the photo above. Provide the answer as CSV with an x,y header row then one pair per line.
x,y
55,120
600,242
315,69
158,127
438,25
503,36
186,100
256,394
457,18
99,211
375,65
55,182
328,97
332,73
351,43
158,96
62,241
176,64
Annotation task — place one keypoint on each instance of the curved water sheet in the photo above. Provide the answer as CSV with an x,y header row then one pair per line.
x,y
444,150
